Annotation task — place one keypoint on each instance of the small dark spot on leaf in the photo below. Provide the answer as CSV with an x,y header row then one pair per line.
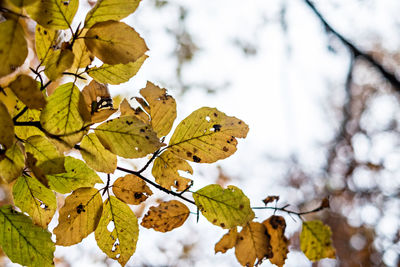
x,y
215,220
129,122
147,137
44,32
217,127
80,208
189,154
196,159
240,122
215,114
225,149
142,130
222,225
138,195
241,206
96,36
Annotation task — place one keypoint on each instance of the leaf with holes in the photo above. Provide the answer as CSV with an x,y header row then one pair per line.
x,y
227,241
12,164
166,217
119,241
27,90
276,226
46,40
224,207
7,127
166,171
131,189
98,101
315,241
79,216
207,135
33,198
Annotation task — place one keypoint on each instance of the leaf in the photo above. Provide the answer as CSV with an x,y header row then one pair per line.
x,y
79,216
58,62
12,164
13,46
118,73
53,14
253,244
26,89
33,198
7,127
115,42
46,41
127,110
83,57
21,3
128,137
227,242
62,115
315,241
110,10
96,156
77,174
224,207
270,199
118,243
24,132
207,135
166,217
22,241
131,189
9,99
276,226
165,170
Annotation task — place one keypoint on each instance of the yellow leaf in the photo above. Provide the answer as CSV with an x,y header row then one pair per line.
x,y
7,127
207,135
46,41
126,110
224,207
118,73
33,198
227,242
13,46
58,62
276,226
315,241
128,137
165,170
118,243
115,42
12,164
253,244
27,90
131,189
166,217
53,14
24,132
110,10
9,99
96,156
83,57
21,3
79,216
98,101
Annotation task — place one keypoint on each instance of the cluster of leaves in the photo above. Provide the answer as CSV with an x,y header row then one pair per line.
x,y
39,133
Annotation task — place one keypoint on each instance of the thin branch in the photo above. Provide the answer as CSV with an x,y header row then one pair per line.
x,y
324,204
155,154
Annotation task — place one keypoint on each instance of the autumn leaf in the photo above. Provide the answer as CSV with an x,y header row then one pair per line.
x,y
126,110
83,57
58,62
166,169
34,246
207,135
21,3
115,42
131,189
98,101
27,90
226,208
166,217
253,244
79,216
276,226
24,131
315,241
227,242
118,243
12,164
46,40
7,127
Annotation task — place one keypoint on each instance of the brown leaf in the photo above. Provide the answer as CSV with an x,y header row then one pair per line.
x,y
131,189
26,89
270,199
276,228
98,101
227,241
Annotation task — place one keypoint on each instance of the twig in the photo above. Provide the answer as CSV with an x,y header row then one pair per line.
x,y
299,214
155,154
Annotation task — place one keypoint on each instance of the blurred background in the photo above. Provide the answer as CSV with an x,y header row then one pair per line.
x,y
317,82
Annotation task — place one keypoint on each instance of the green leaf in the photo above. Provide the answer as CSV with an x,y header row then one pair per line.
x,y
33,198
45,41
27,90
128,137
12,164
61,116
96,156
53,14
13,46
165,170
115,42
131,189
79,216
7,127
22,241
224,207
118,73
58,62
315,241
77,174
21,3
207,135
110,10
120,242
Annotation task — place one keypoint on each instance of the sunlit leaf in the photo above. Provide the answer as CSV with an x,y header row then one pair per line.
x,y
253,244
118,242
227,242
46,41
207,135
29,115
96,156
98,101
131,189
21,3
58,62
27,90
315,241
224,207
7,127
126,110
128,137
35,199
276,226
115,42
12,164
22,241
13,46
83,57
9,99
165,170
79,216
